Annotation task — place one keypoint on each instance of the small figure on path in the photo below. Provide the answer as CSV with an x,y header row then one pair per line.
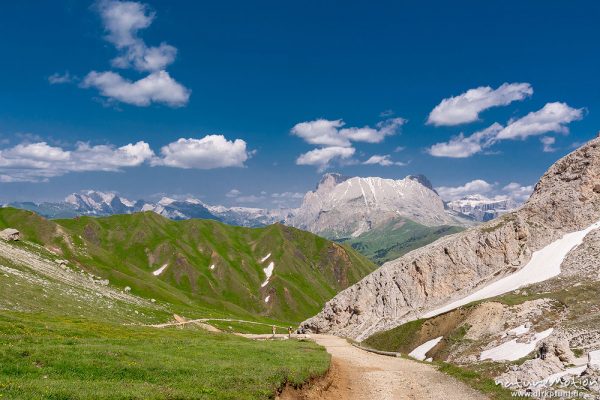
x,y
543,351
289,332
274,330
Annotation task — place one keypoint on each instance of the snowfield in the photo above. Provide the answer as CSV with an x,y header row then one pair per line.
x,y
160,270
265,258
420,352
544,264
513,350
268,272
519,330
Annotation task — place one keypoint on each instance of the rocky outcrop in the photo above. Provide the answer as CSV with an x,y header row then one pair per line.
x,y
567,198
342,207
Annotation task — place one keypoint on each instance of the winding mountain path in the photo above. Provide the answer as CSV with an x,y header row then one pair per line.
x,y
358,374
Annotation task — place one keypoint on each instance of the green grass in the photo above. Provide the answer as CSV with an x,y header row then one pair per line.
x,y
126,249
399,339
477,381
397,238
44,357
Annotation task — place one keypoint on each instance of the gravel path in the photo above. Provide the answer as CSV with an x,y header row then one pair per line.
x,y
357,374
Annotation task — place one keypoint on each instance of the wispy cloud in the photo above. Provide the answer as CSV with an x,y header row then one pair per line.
x,y
383,160
57,79
466,107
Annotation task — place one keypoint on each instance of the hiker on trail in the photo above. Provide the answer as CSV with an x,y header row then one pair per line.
x,y
289,332
543,351
274,330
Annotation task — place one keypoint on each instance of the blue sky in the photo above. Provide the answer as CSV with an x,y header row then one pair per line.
x,y
199,98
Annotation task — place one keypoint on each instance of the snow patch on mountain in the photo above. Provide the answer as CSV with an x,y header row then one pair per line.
x,y
268,272
544,264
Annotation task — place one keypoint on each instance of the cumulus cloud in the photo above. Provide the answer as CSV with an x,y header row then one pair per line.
x,y
462,146
324,156
34,162
122,21
332,132
515,191
518,192
337,139
477,186
553,117
38,161
383,160
466,107
158,87
212,151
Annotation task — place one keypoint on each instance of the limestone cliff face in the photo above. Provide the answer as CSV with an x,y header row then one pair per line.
x,y
567,198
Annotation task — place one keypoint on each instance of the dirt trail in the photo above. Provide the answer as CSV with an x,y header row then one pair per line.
x,y
358,374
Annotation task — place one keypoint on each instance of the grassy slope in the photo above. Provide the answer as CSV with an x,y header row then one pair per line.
x,y
126,249
59,341
65,358
397,238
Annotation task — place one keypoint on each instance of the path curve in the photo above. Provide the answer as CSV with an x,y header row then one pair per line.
x,y
359,374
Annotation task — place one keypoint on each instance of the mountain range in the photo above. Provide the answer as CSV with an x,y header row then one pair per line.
x,y
496,292
382,218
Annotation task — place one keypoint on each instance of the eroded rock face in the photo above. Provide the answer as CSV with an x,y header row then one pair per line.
x,y
566,199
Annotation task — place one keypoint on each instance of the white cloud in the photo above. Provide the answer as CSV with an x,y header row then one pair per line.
x,y
56,78
212,151
158,87
323,157
467,106
383,160
518,192
462,146
34,162
123,20
332,132
233,193
477,186
513,190
321,132
551,118
38,161
548,141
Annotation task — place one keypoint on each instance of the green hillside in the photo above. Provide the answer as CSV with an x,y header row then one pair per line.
x,y
396,238
126,249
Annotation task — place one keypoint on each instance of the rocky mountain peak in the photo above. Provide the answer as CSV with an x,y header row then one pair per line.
x,y
422,179
331,179
565,200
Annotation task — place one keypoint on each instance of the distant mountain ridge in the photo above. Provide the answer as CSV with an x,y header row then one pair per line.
x,y
482,208
102,204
